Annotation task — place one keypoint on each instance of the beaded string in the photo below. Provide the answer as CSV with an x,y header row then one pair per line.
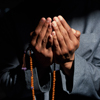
x,y
32,80
32,77
54,80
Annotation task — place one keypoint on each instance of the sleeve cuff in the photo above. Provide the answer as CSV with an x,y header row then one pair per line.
x,y
78,75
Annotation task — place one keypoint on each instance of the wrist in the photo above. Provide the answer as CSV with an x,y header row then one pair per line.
x,y
68,68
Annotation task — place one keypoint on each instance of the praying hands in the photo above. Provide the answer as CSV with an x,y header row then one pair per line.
x,y
55,41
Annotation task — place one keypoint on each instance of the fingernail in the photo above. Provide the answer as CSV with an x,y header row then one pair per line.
x,y
74,31
48,20
60,17
53,33
56,19
54,23
43,19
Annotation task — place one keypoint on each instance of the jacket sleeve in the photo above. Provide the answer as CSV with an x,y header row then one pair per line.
x,y
86,78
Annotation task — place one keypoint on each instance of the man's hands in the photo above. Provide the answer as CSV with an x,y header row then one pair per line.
x,y
42,42
65,42
55,40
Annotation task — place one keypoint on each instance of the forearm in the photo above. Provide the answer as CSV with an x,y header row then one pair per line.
x,y
68,67
68,74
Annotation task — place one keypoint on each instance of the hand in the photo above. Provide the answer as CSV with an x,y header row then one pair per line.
x,y
42,42
66,41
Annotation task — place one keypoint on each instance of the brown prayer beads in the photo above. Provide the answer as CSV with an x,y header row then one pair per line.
x,y
32,77
32,80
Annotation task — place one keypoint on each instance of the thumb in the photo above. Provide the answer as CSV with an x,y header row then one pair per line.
x,y
76,33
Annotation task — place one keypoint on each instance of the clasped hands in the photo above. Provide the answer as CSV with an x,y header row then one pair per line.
x,y
55,41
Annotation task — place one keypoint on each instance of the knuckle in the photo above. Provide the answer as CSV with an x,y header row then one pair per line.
x,y
59,24
78,33
61,38
56,45
69,30
58,53
42,51
45,25
64,51
56,28
41,36
71,48
49,30
37,48
76,43
36,32
77,46
33,43
44,40
64,32
54,38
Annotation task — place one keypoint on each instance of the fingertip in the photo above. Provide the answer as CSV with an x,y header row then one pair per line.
x,y
54,24
54,18
49,19
43,19
31,33
60,17
53,33
74,31
78,33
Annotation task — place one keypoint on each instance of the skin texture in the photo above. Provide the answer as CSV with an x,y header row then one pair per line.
x,y
55,41
66,41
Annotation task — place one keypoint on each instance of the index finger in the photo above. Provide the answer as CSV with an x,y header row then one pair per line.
x,y
40,25
67,27
35,33
64,23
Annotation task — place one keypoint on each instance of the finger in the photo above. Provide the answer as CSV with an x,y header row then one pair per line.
x,y
67,41
59,35
76,33
67,27
56,48
40,25
50,42
64,23
58,23
62,29
43,31
45,42
31,33
35,33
